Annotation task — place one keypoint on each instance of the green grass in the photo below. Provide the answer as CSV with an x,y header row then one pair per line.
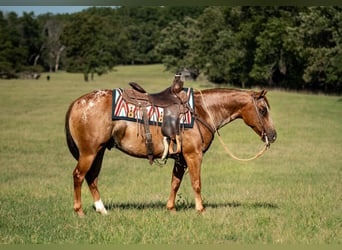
x,y
292,194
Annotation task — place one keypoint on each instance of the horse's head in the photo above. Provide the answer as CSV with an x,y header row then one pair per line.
x,y
257,116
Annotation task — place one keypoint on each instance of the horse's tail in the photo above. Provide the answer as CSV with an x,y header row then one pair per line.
x,y
70,141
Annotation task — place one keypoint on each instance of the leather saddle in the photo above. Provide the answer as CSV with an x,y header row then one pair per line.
x,y
138,96
174,101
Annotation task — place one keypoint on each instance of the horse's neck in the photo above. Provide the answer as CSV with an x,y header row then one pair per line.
x,y
224,105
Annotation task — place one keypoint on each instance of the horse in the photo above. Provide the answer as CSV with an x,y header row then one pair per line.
x,y
90,130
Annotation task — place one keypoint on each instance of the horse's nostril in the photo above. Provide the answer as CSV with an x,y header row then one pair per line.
x,y
272,136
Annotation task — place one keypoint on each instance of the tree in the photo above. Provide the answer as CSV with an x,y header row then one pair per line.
x,y
233,52
288,47
12,54
273,62
31,38
174,45
209,25
321,32
229,63
142,42
52,28
93,44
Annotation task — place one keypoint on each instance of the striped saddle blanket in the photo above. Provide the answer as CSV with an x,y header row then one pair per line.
x,y
126,111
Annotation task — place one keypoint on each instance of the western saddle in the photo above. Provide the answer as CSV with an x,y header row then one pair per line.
x,y
174,101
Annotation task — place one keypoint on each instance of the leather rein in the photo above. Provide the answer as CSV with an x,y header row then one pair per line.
x,y
214,130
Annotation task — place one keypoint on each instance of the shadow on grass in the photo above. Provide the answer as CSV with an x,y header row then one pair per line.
x,y
136,205
267,205
188,205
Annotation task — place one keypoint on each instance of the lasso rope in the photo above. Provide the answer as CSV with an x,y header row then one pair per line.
x,y
225,146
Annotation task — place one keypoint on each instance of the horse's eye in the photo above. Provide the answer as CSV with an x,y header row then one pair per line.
x,y
263,111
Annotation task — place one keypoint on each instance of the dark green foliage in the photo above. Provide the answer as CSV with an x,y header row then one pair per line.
x,y
12,56
288,47
93,43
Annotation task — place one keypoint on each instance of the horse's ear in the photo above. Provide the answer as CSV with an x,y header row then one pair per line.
x,y
262,93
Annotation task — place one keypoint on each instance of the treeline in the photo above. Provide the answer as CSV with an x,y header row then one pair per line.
x,y
91,41
285,47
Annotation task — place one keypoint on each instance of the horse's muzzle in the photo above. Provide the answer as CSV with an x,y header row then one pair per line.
x,y
269,137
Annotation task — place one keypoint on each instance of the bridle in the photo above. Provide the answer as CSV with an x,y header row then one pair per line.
x,y
263,133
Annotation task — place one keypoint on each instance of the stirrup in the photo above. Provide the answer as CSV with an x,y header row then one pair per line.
x,y
178,144
168,148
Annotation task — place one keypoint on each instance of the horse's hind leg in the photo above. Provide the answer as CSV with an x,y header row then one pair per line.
x,y
92,179
177,176
83,165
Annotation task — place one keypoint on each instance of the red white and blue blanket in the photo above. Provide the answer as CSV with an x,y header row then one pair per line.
x,y
126,111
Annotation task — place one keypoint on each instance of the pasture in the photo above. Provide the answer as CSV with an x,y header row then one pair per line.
x,y
292,194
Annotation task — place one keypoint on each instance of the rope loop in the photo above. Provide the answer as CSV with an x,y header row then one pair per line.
x,y
239,159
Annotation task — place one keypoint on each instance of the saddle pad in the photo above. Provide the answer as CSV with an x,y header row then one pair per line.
x,y
121,110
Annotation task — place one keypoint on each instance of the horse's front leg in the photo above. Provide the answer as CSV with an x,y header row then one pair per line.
x,y
177,176
194,162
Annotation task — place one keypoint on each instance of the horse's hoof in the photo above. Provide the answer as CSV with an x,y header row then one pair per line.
x,y
200,211
172,210
80,213
100,208
102,211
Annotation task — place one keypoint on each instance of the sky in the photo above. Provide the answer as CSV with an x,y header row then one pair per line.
x,y
43,9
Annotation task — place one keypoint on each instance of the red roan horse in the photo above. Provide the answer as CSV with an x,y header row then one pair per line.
x,y
90,130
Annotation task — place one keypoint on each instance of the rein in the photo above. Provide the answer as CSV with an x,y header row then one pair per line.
x,y
266,146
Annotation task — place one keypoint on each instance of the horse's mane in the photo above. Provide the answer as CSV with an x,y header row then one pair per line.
x,y
230,90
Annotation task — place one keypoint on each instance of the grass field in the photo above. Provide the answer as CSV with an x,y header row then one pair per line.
x,y
292,194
